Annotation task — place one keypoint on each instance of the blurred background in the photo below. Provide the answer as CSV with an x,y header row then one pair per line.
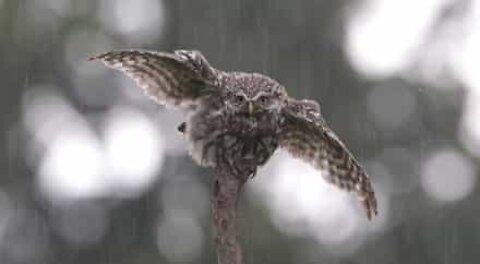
x,y
91,171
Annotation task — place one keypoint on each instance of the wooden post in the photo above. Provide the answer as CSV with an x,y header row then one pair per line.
x,y
226,191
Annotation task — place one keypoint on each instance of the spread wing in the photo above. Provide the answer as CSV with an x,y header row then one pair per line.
x,y
306,135
167,78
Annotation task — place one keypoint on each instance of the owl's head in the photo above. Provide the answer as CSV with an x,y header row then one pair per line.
x,y
254,94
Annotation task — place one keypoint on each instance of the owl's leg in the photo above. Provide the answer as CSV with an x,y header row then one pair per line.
x,y
206,149
224,147
257,151
249,151
261,144
238,169
232,152
217,144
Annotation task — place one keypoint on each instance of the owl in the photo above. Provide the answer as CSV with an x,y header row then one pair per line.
x,y
237,120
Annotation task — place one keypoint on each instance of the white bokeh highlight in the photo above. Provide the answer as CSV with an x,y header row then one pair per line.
x,y
137,21
467,50
466,67
72,166
448,176
302,203
133,149
74,162
71,160
383,36
388,38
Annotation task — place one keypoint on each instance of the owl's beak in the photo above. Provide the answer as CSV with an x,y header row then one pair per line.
x,y
250,108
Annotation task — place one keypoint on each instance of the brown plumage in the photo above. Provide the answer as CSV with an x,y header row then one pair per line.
x,y
237,120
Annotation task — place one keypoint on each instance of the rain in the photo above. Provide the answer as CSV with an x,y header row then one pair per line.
x,y
93,171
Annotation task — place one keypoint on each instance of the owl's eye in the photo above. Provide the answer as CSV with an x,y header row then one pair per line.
x,y
238,99
264,99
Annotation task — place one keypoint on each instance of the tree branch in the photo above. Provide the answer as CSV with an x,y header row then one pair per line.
x,y
225,195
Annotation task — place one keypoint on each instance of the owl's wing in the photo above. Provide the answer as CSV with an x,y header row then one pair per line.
x,y
174,79
306,135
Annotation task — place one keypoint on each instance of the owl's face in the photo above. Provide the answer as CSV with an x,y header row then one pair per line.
x,y
253,94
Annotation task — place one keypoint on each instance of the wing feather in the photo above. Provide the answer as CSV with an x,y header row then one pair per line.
x,y
306,135
166,78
